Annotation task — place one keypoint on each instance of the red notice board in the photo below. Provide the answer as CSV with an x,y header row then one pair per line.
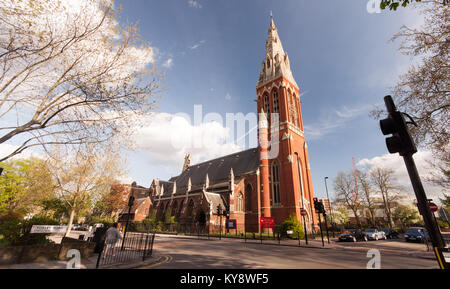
x,y
267,222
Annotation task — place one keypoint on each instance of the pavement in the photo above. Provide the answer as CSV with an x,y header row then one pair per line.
x,y
89,263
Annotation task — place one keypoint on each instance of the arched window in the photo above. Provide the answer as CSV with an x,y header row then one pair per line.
x,y
296,110
174,208
248,197
268,63
276,106
180,208
240,203
275,178
190,208
266,104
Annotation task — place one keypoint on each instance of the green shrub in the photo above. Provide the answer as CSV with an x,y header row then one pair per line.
x,y
291,224
15,230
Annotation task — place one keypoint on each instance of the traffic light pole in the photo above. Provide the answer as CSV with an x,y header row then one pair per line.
x,y
321,233
401,142
422,203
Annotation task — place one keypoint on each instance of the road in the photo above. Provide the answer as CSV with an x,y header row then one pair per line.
x,y
183,253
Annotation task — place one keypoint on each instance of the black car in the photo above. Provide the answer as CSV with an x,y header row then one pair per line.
x,y
391,233
353,235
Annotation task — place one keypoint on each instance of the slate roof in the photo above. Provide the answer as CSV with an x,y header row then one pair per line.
x,y
243,162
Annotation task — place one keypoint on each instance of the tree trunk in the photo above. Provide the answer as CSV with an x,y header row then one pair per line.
x,y
69,224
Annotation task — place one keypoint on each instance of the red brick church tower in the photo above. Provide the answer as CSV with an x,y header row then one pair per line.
x,y
285,175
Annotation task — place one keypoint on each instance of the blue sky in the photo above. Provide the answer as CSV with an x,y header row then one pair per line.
x,y
341,58
211,53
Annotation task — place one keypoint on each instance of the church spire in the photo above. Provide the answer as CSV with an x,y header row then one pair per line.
x,y
276,62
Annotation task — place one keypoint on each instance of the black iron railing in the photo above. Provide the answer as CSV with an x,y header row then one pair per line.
x,y
135,247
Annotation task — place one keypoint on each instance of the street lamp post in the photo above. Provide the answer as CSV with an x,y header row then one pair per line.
x,y
329,202
130,204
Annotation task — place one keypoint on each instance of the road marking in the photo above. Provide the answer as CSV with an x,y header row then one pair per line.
x,y
165,259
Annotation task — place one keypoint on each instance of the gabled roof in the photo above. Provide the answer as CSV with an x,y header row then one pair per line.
x,y
243,162
215,200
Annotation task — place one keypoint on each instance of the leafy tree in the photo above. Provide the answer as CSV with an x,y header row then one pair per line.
x,y
83,176
111,202
74,71
424,92
394,4
407,214
55,208
340,216
24,184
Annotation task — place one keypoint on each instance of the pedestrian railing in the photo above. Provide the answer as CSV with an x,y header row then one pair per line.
x,y
134,247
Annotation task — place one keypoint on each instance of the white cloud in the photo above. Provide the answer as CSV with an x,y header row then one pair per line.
x,y
168,63
334,120
197,45
194,4
396,163
169,138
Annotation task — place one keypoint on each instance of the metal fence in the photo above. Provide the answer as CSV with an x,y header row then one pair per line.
x,y
133,247
212,232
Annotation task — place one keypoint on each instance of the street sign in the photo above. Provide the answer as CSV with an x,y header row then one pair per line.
x,y
303,212
45,229
230,224
267,222
433,207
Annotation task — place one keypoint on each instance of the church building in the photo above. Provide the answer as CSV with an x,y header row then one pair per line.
x,y
253,183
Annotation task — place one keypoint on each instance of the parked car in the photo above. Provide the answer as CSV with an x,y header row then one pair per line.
x,y
375,234
391,233
83,228
353,235
75,227
416,234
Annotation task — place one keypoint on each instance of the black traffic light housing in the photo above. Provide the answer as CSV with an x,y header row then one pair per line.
x,y
318,206
219,210
401,141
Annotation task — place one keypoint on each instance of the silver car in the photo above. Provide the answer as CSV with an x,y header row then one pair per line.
x,y
375,234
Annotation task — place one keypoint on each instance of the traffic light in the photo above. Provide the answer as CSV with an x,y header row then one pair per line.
x,y
316,205
219,210
227,208
401,141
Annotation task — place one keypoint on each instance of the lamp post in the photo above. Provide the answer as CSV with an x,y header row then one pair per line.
x,y
130,204
329,202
